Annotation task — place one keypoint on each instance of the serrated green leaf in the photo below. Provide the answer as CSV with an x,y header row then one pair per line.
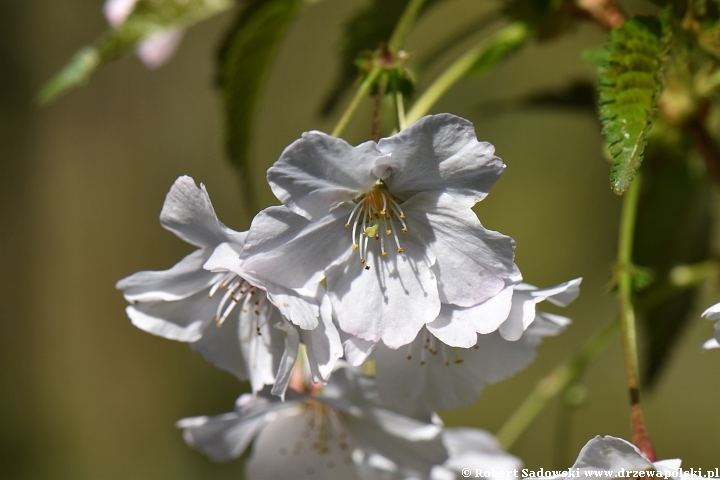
x,y
148,17
673,228
500,46
629,83
245,61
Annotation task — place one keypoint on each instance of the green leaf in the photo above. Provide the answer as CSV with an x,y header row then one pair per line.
x,y
148,17
673,228
245,61
500,46
630,79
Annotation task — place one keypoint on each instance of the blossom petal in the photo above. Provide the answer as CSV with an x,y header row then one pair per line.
x,y
222,347
263,345
157,49
318,172
476,449
224,437
289,448
473,263
185,278
288,359
356,349
439,153
323,344
416,456
183,320
712,313
611,453
287,250
458,327
390,301
188,213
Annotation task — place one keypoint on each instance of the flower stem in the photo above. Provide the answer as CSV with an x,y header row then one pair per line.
x,y
355,102
512,35
627,315
400,109
551,385
395,43
397,39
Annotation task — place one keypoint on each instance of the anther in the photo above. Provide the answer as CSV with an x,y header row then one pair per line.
x,y
347,225
388,232
367,267
404,230
384,254
400,250
362,260
355,246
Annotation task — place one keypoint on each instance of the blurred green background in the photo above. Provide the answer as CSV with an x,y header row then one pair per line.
x,y
82,181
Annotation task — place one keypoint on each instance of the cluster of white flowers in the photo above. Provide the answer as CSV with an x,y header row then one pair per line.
x,y
374,253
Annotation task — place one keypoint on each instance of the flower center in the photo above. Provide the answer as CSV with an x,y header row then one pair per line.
x,y
237,290
376,215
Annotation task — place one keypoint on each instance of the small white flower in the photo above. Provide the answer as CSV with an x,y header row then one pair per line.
x,y
388,225
154,50
611,454
325,435
432,374
234,324
713,313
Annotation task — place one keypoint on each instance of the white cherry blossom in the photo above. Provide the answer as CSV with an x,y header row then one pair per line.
x,y
232,322
430,373
713,313
325,434
388,226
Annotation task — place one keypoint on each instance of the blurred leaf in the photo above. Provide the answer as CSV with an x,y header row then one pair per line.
x,y
148,17
245,61
366,30
673,228
546,18
579,96
501,46
630,79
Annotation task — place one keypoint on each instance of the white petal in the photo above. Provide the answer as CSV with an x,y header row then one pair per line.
x,y
289,448
262,351
440,153
288,359
454,377
156,49
188,213
477,450
182,320
611,453
185,278
473,263
318,172
222,348
415,457
527,296
226,436
713,312
116,11
434,381
287,250
458,327
225,257
710,344
390,301
356,349
323,344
